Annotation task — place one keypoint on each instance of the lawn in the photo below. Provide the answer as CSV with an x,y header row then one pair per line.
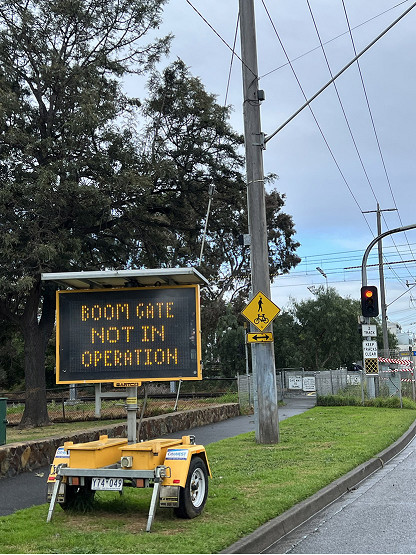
x,y
251,484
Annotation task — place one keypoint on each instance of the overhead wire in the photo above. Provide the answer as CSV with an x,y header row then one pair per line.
x,y
374,128
314,116
331,82
345,114
333,39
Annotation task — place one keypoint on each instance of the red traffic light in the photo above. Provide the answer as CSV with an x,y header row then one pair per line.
x,y
369,301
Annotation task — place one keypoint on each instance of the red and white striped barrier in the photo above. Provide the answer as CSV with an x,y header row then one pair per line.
x,y
404,362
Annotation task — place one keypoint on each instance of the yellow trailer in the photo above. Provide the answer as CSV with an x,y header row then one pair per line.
x,y
176,469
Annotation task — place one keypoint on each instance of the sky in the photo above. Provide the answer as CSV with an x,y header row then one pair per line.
x,y
356,150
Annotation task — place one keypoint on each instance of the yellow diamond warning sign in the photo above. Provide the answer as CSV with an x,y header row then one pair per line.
x,y
260,311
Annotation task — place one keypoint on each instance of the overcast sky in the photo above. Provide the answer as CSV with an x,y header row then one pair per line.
x,y
373,152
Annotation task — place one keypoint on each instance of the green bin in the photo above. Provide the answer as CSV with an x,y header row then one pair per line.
x,y
3,421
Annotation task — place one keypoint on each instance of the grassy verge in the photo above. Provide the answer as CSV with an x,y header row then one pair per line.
x,y
251,484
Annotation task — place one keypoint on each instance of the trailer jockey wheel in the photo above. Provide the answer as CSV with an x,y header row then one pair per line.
x,y
193,496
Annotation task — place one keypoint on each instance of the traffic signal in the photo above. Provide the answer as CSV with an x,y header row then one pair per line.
x,y
369,301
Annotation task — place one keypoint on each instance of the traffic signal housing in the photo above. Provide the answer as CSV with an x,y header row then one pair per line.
x,y
369,301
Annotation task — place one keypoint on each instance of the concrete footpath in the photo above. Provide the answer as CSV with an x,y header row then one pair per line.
x,y
29,488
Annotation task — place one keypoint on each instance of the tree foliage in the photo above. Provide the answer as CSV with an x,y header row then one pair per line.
x,y
321,333
190,150
70,180
80,192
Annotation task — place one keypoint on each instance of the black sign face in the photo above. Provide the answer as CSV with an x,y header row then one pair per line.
x,y
128,334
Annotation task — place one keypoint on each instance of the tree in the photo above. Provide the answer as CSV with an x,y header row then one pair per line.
x,y
286,332
326,330
70,180
225,355
190,149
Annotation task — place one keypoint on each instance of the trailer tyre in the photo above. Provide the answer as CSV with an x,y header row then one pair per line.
x,y
193,496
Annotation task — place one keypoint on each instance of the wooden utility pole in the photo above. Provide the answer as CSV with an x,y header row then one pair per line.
x,y
267,420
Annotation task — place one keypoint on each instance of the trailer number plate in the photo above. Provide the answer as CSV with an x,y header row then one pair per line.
x,y
107,484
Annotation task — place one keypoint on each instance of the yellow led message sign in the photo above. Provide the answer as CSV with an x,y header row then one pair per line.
x,y
136,334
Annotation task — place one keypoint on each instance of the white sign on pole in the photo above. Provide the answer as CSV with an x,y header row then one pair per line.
x,y
295,382
309,383
370,349
369,330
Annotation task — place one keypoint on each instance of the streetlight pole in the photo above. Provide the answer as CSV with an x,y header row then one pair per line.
x,y
267,420
381,274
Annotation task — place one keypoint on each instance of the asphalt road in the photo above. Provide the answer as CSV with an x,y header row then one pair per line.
x,y
378,516
29,488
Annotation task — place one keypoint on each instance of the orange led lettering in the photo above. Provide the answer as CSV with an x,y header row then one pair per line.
x,y
169,305
122,308
97,357
127,330
173,356
113,335
107,355
96,312
159,356
118,355
86,359
145,336
127,358
85,313
139,310
95,332
160,332
108,312
150,311
148,361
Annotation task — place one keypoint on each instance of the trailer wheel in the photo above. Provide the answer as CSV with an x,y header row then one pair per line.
x,y
193,496
78,498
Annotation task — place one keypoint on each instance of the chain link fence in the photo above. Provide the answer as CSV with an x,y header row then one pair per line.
x,y
78,402
392,381
290,382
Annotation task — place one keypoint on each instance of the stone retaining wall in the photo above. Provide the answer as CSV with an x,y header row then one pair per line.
x,y
29,455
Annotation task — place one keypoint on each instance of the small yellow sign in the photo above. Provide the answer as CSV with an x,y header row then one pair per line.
x,y
126,384
258,337
371,366
260,311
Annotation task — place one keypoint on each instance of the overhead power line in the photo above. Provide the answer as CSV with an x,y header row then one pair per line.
x,y
307,103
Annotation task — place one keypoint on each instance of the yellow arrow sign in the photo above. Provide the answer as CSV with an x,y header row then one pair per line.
x,y
259,337
260,311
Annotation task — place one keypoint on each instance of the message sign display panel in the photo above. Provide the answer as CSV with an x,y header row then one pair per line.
x,y
131,334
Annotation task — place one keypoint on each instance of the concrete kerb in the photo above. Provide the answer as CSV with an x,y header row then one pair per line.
x,y
275,529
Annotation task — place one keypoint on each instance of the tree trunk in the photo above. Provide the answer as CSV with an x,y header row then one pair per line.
x,y
36,334
36,412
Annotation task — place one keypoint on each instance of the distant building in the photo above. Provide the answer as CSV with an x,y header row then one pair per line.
x,y
405,340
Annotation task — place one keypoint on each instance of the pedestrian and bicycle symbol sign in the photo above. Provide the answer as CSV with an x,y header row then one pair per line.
x,y
260,311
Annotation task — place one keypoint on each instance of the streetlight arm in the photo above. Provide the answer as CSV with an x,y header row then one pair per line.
x,y
371,245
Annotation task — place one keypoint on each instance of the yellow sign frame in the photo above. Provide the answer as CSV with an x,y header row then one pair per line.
x,y
193,373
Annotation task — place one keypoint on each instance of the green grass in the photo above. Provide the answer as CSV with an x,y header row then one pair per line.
x,y
251,484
